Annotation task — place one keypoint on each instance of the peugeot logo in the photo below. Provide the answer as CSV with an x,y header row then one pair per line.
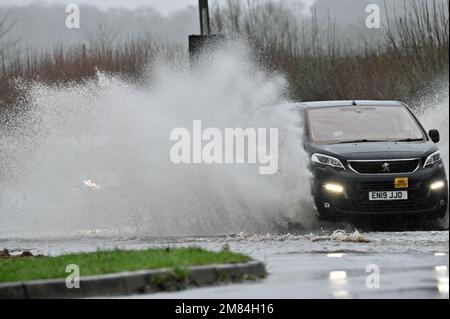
x,y
386,167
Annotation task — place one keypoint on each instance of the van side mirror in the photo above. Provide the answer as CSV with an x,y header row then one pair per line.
x,y
434,136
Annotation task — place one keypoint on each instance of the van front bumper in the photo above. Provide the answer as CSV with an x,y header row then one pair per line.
x,y
349,193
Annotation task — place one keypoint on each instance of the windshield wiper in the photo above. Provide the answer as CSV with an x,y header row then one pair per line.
x,y
409,140
361,141
370,141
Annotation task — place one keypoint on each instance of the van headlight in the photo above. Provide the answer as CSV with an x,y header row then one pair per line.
x,y
334,188
326,160
437,185
432,159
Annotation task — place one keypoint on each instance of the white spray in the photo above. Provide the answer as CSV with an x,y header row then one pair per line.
x,y
95,156
434,114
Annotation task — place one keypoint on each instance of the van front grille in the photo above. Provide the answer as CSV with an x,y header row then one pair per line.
x,y
383,186
385,167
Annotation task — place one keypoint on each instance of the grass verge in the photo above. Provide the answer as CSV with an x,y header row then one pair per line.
x,y
107,262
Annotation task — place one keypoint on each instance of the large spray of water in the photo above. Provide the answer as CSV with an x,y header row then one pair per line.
x,y
434,113
96,156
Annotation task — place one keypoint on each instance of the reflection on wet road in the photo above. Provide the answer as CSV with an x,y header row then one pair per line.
x,y
390,265
317,276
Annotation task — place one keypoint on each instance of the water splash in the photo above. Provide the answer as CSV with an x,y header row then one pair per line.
x,y
434,114
96,156
93,158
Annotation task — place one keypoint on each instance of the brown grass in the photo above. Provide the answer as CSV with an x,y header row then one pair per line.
x,y
77,64
403,64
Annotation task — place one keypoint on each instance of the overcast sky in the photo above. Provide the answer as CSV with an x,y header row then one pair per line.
x,y
164,6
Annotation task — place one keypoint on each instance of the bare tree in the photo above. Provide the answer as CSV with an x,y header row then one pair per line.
x,y
103,36
6,44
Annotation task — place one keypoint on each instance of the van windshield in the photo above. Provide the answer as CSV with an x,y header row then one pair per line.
x,y
330,125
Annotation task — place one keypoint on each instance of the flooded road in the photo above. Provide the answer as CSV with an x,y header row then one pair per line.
x,y
305,265
95,156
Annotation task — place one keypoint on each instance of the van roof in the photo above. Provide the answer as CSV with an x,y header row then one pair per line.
x,y
349,103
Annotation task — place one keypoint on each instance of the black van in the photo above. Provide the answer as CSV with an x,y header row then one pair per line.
x,y
373,158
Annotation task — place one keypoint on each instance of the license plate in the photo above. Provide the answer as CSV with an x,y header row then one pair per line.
x,y
391,195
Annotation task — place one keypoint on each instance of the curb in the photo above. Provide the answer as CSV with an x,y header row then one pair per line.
x,y
136,282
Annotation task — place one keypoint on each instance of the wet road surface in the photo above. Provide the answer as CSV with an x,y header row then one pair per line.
x,y
309,265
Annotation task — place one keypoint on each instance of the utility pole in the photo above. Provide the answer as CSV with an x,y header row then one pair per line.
x,y
205,26
205,41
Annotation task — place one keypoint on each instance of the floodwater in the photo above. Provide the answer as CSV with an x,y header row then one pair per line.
x,y
411,264
87,166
